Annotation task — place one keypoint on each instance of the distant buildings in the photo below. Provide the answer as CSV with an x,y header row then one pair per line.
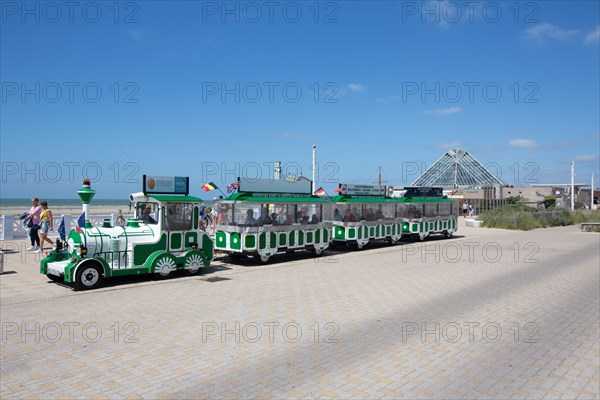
x,y
466,179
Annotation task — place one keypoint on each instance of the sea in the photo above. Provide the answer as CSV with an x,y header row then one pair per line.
x,y
61,203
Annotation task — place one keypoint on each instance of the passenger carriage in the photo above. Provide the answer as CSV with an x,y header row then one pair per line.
x,y
426,212
363,214
163,237
267,217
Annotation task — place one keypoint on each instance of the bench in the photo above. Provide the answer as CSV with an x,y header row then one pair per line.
x,y
473,222
590,226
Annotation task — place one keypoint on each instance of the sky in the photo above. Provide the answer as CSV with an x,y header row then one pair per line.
x,y
214,90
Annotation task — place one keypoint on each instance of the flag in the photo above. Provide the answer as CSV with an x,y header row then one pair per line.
x,y
232,187
339,189
207,187
320,191
61,230
80,223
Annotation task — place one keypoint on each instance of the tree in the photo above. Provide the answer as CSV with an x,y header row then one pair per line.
x,y
549,201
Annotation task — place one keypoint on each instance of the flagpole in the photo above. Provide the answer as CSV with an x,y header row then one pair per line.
x,y
221,192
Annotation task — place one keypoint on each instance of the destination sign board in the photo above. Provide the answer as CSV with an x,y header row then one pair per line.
x,y
301,186
422,191
154,184
349,189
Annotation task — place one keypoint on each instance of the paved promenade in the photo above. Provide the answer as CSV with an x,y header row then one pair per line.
x,y
486,314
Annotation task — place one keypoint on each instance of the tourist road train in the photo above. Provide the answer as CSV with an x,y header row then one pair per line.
x,y
263,218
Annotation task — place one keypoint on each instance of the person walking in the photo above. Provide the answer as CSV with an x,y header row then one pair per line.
x,y
34,217
465,209
46,225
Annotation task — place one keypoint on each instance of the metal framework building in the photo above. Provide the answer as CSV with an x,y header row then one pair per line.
x,y
458,169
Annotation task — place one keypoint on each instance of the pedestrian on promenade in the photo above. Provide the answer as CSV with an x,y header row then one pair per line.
x,y
471,208
34,217
214,213
46,225
465,209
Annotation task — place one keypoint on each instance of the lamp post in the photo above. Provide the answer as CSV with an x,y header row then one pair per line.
x,y
572,185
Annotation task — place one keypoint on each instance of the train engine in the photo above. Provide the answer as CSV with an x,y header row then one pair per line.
x,y
164,236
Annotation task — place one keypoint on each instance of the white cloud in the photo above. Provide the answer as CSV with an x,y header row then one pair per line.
x,y
440,112
542,32
455,144
593,37
141,35
523,143
387,99
356,87
585,158
296,136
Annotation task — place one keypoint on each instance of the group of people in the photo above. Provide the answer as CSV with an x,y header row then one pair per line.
x,y
279,217
39,222
469,209
350,215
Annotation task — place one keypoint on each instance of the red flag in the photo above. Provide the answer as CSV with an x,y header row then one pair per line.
x,y
320,191
339,189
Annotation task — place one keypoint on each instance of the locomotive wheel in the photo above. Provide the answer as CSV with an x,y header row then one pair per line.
x,y
447,234
192,263
88,276
164,265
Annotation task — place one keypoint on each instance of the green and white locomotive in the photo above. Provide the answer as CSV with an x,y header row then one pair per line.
x,y
163,237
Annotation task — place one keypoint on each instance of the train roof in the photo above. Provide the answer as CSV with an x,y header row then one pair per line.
x,y
175,198
275,198
362,199
425,200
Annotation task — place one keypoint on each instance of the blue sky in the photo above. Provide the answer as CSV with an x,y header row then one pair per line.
x,y
214,90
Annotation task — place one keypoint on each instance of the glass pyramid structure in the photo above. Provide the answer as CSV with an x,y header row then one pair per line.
x,y
458,169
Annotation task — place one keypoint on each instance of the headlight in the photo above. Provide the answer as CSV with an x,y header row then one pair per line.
x,y
83,251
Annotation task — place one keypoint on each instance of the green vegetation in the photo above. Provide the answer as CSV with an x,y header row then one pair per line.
x,y
522,217
515,200
549,201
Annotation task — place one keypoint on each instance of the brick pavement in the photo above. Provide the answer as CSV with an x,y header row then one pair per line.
x,y
519,320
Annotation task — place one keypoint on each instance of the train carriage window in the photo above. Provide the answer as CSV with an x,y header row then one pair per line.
x,y
316,213
328,213
246,214
400,210
388,211
280,215
430,209
178,216
445,209
147,212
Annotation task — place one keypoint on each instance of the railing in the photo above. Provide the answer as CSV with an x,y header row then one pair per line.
x,y
116,259
11,227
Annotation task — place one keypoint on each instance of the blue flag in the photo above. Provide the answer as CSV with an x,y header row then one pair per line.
x,y
61,230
